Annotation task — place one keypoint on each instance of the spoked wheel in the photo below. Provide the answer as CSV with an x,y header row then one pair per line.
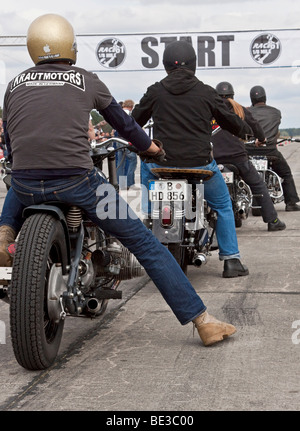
x,y
36,330
180,254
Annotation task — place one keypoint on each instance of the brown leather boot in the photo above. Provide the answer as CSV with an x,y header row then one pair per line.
x,y
212,330
7,236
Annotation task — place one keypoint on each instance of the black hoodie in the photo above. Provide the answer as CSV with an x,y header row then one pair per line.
x,y
182,108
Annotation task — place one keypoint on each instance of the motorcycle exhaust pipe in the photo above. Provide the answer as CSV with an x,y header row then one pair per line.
x,y
242,212
199,259
4,295
93,305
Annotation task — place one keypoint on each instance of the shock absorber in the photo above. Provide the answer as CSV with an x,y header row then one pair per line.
x,y
74,218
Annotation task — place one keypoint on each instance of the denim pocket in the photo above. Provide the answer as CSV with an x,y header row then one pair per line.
x,y
68,188
24,195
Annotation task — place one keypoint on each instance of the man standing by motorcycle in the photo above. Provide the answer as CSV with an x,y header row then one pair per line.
x,y
182,108
270,118
229,149
53,99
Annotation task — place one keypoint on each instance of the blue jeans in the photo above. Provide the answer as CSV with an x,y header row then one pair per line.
x,y
12,211
126,166
218,198
110,212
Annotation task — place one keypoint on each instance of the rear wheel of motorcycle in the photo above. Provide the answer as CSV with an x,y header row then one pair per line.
x,y
180,254
256,212
35,336
238,222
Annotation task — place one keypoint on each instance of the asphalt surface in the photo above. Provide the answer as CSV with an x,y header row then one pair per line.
x,y
138,358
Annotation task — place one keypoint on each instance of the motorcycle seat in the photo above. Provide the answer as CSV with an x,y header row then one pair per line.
x,y
183,173
273,158
231,167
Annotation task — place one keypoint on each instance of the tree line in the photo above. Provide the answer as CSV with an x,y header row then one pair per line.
x,y
290,132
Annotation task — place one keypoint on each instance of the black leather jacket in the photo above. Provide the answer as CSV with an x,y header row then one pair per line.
x,y
269,118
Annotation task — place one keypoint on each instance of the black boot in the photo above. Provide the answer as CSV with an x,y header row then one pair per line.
x,y
234,268
292,207
276,225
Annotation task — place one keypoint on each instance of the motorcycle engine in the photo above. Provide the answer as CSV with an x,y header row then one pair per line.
x,y
115,259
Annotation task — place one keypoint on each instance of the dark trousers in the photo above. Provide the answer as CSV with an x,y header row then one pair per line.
x,y
258,187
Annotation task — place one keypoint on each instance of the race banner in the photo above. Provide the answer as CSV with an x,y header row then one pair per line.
x,y
143,52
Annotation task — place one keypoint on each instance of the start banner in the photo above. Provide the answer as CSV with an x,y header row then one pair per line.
x,y
142,52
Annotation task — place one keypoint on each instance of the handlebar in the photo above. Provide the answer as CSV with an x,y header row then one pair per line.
x,y
218,129
252,142
278,142
288,139
149,125
104,144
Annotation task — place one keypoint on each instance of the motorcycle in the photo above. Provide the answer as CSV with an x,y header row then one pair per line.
x,y
180,216
240,193
64,265
264,166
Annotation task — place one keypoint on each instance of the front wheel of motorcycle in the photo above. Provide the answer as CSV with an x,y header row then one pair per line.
x,y
35,336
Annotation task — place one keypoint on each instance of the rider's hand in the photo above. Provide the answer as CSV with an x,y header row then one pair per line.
x,y
260,143
154,154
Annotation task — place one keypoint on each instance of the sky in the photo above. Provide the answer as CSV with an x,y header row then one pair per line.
x,y
175,16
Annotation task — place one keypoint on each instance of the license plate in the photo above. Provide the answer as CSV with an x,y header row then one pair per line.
x,y
260,164
5,274
228,177
167,190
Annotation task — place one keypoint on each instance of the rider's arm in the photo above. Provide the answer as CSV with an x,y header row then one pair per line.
x,y
7,142
127,127
255,126
142,112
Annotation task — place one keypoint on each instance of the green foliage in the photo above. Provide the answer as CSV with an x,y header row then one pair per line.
x,y
290,132
96,117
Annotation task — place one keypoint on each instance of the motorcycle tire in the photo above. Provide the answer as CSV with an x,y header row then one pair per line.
x,y
180,254
35,336
238,222
256,212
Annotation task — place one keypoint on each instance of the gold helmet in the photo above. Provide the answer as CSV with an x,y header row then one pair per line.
x,y
51,38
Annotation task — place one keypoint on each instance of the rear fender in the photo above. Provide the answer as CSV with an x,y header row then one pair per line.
x,y
172,233
55,212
